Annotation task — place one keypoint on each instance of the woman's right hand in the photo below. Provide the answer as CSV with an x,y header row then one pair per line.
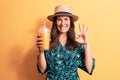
x,y
39,43
41,61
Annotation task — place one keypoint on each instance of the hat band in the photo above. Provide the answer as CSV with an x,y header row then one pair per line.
x,y
62,13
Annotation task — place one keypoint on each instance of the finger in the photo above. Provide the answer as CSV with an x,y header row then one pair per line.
x,y
84,28
80,28
39,39
40,47
77,36
38,36
39,44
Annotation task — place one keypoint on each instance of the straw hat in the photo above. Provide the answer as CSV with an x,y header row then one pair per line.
x,y
62,10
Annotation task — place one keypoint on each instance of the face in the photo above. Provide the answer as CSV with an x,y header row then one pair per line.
x,y
63,23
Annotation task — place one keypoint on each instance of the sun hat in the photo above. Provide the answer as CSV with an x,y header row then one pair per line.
x,y
63,10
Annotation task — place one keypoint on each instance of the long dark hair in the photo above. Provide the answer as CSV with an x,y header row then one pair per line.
x,y
71,44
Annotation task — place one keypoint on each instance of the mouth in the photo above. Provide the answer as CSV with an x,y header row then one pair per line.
x,y
62,27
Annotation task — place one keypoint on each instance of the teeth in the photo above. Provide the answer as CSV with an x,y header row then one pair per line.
x,y
64,26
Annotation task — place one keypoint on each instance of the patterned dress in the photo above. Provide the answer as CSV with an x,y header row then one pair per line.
x,y
62,64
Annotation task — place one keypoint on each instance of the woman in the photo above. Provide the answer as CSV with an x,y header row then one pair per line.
x,y
67,51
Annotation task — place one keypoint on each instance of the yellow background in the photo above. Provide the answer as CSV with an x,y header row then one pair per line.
x,y
20,20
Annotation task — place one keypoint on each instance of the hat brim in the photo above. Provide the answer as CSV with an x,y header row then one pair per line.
x,y
50,17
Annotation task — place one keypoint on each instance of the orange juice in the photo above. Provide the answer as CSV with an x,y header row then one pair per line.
x,y
46,39
44,32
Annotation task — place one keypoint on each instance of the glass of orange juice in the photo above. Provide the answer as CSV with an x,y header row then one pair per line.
x,y
44,32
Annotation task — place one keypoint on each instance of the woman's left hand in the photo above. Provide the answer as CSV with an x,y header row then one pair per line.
x,y
82,36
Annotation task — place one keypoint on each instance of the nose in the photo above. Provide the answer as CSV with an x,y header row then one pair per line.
x,y
62,22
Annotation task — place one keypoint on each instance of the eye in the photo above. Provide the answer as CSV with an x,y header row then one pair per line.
x,y
58,19
66,19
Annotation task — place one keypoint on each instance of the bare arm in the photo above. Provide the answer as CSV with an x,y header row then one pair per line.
x,y
82,37
41,57
88,57
41,61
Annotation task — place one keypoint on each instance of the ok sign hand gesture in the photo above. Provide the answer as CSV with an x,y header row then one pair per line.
x,y
82,36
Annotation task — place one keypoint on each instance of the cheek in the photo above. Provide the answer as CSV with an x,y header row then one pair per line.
x,y
58,26
68,24
69,27
58,23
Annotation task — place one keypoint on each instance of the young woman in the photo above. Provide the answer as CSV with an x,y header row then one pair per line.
x,y
68,51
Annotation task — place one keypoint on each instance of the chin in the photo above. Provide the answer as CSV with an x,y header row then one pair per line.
x,y
63,32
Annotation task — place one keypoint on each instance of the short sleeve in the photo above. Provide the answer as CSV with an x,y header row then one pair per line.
x,y
41,73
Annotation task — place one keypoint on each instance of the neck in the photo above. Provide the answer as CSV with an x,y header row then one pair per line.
x,y
63,39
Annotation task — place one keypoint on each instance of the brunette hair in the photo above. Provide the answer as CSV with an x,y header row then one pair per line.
x,y
71,43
